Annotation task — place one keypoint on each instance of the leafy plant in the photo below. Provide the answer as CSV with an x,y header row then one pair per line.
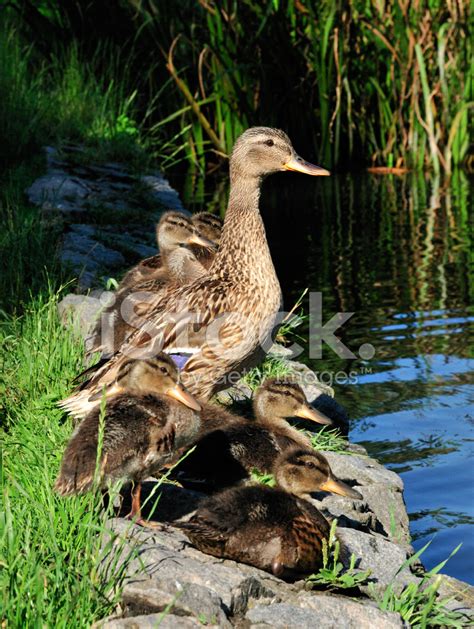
x,y
419,604
263,479
329,440
333,574
272,367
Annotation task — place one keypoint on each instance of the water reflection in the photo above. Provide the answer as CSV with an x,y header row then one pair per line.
x,y
395,251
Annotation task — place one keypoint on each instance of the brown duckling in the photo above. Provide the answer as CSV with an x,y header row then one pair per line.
x,y
276,529
139,288
231,447
173,230
149,418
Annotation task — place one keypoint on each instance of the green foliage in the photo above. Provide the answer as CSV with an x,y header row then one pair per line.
x,y
333,574
58,568
66,98
419,604
272,367
263,479
329,440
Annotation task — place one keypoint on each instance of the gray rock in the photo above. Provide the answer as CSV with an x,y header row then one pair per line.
x,y
80,311
461,593
162,192
97,254
165,556
58,191
383,558
146,597
323,612
365,470
152,621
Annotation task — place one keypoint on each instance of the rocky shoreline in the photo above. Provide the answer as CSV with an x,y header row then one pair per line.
x,y
108,216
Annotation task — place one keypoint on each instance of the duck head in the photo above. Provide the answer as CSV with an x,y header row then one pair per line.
x,y
158,375
282,398
208,225
261,151
175,229
302,472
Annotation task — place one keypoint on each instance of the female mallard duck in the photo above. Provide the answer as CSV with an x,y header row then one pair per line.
x,y
276,529
230,448
149,418
223,318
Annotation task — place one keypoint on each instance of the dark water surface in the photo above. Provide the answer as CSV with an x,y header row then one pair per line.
x,y
396,253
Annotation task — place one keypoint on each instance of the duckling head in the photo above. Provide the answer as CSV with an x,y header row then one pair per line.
x,y
261,151
158,375
176,230
302,472
279,398
208,225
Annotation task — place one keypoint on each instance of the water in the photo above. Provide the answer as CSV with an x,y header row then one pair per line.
x,y
395,252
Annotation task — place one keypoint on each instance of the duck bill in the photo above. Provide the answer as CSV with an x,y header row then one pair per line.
x,y
196,239
308,412
338,487
299,165
180,394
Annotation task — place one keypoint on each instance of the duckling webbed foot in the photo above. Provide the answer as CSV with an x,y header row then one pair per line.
x,y
136,513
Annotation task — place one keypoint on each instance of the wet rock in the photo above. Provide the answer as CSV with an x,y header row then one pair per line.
x,y
322,612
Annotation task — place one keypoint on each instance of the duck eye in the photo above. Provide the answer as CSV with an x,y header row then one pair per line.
x,y
163,370
269,142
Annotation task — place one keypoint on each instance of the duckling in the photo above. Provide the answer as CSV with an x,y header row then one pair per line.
x,y
210,227
276,529
231,447
139,288
149,418
174,230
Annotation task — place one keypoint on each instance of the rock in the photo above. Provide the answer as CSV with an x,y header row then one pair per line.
x,y
383,558
145,597
382,510
462,594
80,310
323,611
162,192
58,191
166,557
151,621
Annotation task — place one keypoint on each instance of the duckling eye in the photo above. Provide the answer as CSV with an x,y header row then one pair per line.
x,y
163,370
310,464
269,142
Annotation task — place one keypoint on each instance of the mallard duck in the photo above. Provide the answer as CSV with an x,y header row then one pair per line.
x,y
222,319
173,230
276,529
149,419
231,447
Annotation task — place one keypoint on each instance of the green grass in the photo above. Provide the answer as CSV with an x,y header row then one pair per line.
x,y
419,604
332,574
271,367
52,550
66,98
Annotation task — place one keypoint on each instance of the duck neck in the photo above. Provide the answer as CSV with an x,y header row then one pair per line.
x,y
243,249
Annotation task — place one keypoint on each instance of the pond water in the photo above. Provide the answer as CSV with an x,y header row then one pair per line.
x,y
395,252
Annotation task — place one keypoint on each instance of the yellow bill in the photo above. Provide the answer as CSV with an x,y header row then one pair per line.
x,y
299,165
340,488
308,412
180,394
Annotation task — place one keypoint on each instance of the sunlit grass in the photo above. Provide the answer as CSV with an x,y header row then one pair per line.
x,y
56,564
